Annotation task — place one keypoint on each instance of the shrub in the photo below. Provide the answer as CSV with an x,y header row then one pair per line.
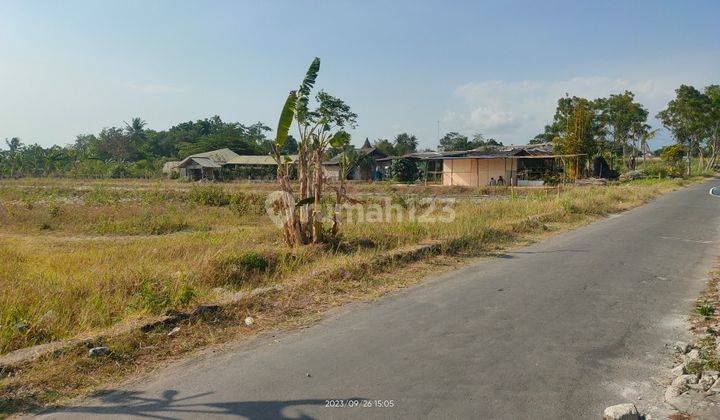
x,y
404,169
655,170
211,195
673,155
252,261
247,203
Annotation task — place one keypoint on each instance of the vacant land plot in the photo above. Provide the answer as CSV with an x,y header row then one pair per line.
x,y
83,255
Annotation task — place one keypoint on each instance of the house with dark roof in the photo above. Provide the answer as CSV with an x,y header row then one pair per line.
x,y
528,165
432,166
367,169
217,164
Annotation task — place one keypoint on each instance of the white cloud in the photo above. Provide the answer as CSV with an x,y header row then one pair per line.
x,y
515,111
491,119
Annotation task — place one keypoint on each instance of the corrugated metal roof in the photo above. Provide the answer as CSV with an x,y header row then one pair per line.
x,y
491,152
257,160
416,155
219,155
228,157
205,162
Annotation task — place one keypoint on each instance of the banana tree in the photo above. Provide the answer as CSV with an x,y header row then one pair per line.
x,y
318,128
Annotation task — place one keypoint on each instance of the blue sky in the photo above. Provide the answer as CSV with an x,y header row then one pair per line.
x,y
495,67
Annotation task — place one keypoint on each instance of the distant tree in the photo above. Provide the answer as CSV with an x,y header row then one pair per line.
x,y
205,135
686,116
290,147
546,136
576,126
13,156
479,140
454,141
622,117
385,146
405,143
116,145
573,139
137,136
712,122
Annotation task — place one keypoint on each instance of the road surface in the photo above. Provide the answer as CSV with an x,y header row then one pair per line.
x,y
558,329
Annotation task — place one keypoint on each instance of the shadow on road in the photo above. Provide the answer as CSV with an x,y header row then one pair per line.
x,y
171,406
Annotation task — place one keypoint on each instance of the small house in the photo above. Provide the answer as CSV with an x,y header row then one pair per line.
x,y
529,165
368,167
196,168
225,164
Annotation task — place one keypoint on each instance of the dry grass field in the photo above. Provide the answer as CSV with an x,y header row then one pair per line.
x,y
82,255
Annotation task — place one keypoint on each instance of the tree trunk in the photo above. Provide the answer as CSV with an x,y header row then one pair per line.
x,y
317,213
714,145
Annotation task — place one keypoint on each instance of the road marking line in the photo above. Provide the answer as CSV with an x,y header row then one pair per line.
x,y
686,240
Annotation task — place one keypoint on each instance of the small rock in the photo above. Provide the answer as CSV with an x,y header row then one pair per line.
x,y
674,391
693,356
307,374
678,370
21,327
174,331
711,374
249,321
679,385
98,351
626,411
686,379
681,347
715,388
688,402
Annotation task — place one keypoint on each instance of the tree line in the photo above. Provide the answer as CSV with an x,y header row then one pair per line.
x,y
617,127
133,150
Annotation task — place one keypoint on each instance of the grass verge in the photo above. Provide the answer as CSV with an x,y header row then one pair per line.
x,y
314,279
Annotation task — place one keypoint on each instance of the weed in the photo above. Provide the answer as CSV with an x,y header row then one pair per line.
x,y
185,294
705,310
151,296
693,368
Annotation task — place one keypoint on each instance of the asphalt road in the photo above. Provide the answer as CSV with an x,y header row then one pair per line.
x,y
559,329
